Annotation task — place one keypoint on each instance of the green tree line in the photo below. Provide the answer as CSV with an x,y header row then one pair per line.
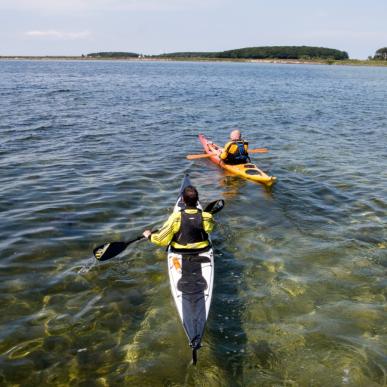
x,y
269,52
113,54
381,54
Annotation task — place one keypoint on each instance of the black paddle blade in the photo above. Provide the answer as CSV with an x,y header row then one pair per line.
x,y
214,206
109,250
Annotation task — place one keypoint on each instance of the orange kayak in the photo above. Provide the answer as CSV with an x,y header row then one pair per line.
x,y
249,171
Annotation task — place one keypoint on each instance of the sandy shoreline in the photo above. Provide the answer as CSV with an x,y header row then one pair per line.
x,y
350,62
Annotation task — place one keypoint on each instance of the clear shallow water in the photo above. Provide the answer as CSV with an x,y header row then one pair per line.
x,y
95,151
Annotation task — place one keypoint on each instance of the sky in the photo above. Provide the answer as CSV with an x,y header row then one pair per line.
x,y
76,27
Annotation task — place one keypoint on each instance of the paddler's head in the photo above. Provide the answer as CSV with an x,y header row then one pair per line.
x,y
190,196
235,135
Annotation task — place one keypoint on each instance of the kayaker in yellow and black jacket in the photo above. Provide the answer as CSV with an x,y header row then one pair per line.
x,y
235,151
187,229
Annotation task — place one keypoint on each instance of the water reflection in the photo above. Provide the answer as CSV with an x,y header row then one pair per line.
x,y
228,339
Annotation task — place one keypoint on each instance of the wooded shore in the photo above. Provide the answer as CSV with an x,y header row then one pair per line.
x,y
350,62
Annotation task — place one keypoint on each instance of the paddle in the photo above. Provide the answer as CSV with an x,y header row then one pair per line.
x,y
214,206
111,249
206,155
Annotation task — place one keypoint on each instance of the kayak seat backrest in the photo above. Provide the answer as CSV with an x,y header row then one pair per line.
x,y
197,258
190,252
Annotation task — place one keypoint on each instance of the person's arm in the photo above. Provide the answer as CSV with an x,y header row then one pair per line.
x,y
164,236
208,222
246,145
224,154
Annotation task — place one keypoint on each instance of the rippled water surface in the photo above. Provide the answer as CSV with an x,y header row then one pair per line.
x,y
95,151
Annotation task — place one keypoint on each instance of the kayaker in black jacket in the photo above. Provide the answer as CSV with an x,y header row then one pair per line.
x,y
186,229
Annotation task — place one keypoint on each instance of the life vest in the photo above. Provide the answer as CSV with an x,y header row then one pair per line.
x,y
239,154
191,229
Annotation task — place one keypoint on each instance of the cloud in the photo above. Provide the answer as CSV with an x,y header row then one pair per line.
x,y
59,35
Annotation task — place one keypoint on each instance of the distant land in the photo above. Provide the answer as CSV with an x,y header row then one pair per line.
x,y
114,54
267,54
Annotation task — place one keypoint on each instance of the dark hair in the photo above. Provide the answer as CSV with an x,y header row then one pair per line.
x,y
190,196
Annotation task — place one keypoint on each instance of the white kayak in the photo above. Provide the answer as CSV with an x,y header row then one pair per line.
x,y
191,277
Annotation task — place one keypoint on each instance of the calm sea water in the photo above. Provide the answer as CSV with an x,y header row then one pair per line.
x,y
95,151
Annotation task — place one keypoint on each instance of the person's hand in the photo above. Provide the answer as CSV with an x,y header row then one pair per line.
x,y
147,233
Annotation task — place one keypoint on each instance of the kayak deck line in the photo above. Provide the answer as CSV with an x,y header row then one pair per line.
x,y
248,170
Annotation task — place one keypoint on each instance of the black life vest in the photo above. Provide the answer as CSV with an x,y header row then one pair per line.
x,y
191,229
240,156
